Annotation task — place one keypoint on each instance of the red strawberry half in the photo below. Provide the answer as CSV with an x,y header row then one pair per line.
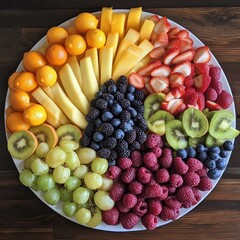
x,y
202,55
201,82
136,80
224,99
159,84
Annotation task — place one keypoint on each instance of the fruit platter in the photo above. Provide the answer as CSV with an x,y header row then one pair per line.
x,y
120,120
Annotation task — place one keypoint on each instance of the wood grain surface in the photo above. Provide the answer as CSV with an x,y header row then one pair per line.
x,y
24,216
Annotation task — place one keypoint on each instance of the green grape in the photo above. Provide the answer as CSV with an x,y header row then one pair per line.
x,y
80,171
72,160
27,162
42,149
52,196
99,165
91,195
83,216
61,174
45,182
69,208
66,195
56,157
68,145
96,218
93,180
27,178
39,167
86,155
81,195
72,183
107,183
35,187
103,200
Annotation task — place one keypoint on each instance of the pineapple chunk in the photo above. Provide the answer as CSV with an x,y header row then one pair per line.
x,y
132,35
134,17
93,54
106,19
146,30
118,24
112,41
106,61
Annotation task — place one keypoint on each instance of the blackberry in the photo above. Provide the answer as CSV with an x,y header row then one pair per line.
x,y
85,141
124,103
107,129
118,95
113,156
135,146
122,79
90,129
109,82
141,122
110,143
130,136
107,97
138,94
125,115
122,145
103,153
141,137
124,153
93,114
121,87
101,104
136,103
93,102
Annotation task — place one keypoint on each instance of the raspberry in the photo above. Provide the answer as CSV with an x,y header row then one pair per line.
x,y
144,175
140,208
171,189
114,172
135,187
149,221
129,220
129,200
129,175
224,99
124,163
152,140
162,175
197,194
155,167
164,193
215,73
168,214
121,208
191,179
149,159
176,180
136,158
211,94
185,195
194,165
173,203
166,159
202,172
217,86
157,151
110,217
117,190
205,184
153,190
154,206
180,166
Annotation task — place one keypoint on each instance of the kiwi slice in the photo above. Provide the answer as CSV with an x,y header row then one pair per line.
x,y
156,122
209,115
152,104
45,133
211,141
193,142
175,134
22,144
69,131
220,125
194,122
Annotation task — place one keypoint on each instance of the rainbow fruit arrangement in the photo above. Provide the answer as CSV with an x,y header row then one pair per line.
x,y
120,119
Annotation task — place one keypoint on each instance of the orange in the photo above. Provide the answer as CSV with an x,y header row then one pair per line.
x,y
75,44
56,35
56,54
85,21
25,81
95,38
46,76
35,114
71,30
15,122
32,60
11,80
19,100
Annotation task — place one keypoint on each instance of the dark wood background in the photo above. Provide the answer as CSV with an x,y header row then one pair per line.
x,y
23,23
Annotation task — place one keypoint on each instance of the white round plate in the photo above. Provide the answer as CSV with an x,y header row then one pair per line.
x,y
41,46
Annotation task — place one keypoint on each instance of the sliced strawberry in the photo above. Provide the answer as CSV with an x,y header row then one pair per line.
x,y
162,25
189,40
186,56
173,105
183,34
201,68
166,90
174,43
185,45
201,82
157,52
164,106
201,101
149,88
185,68
188,81
136,80
161,40
190,96
158,84
175,93
215,73
180,109
161,71
193,106
172,33
146,70
153,37
212,106
202,55
176,79
154,18
169,55
225,99
146,79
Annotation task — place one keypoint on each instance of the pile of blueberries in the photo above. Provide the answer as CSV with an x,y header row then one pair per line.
x,y
116,125
214,158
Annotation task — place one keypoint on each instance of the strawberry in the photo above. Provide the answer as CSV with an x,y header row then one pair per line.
x,y
169,55
184,57
188,81
175,93
201,68
176,79
182,34
180,109
184,68
172,33
174,43
201,82
202,55
161,40
153,37
146,79
136,80
217,85
166,90
224,99
189,40
158,84
215,73
149,88
162,25
185,45
157,52
161,71
211,94
201,101
190,96
154,18
212,106
173,105
146,70
164,106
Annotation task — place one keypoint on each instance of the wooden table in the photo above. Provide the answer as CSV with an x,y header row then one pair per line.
x,y
24,216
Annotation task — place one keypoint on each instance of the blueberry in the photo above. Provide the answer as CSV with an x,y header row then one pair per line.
x,y
115,122
210,164
110,102
191,152
200,148
126,126
103,88
116,109
107,116
98,122
111,162
98,137
214,149
131,122
214,173
182,153
119,134
98,94
223,153
133,112
130,88
213,156
130,96
228,145
202,156
221,164
112,88
94,146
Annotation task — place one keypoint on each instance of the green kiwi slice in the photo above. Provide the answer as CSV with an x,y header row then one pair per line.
x,y
22,144
157,122
175,134
70,132
152,104
193,142
195,123
209,115
220,125
211,141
